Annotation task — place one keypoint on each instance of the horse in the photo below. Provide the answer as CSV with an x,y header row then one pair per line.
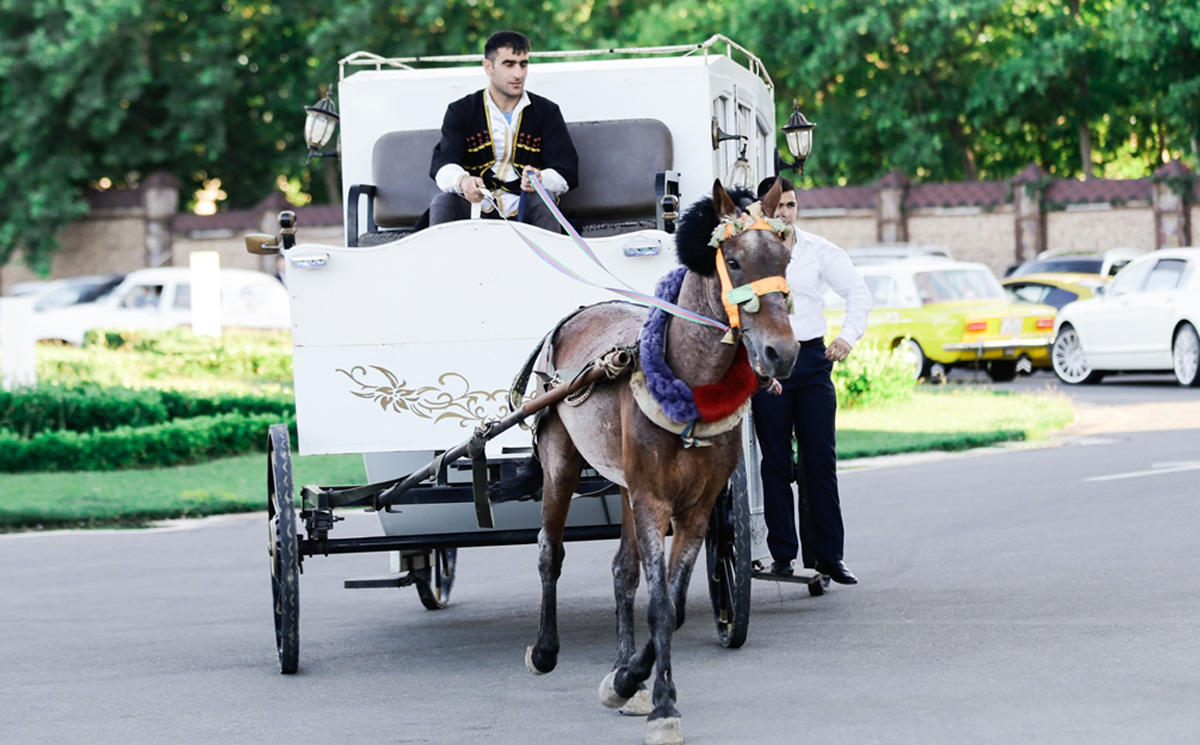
x,y
667,479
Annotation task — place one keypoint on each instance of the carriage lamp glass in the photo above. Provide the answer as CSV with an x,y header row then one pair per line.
x,y
798,132
318,127
740,173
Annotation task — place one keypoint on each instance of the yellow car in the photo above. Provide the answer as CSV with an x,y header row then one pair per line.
x,y
1053,288
942,313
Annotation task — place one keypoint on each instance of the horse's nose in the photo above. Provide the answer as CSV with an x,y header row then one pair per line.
x,y
771,353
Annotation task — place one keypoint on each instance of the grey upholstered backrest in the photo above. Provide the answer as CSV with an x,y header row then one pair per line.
x,y
400,169
617,164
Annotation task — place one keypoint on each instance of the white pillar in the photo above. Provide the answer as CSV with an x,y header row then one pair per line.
x,y
206,292
18,360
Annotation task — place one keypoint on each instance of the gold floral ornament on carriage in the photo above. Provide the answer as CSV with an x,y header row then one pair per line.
x,y
745,297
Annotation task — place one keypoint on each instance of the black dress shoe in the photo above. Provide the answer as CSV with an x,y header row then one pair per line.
x,y
783,568
837,571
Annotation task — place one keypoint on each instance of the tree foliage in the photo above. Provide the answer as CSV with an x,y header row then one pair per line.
x,y
109,91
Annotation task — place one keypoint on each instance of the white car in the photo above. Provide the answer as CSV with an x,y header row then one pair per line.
x,y
162,299
1145,320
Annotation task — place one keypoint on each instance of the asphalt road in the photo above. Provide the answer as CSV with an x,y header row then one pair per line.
x,y
1032,595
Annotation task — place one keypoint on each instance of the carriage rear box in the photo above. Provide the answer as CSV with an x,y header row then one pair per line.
x,y
406,343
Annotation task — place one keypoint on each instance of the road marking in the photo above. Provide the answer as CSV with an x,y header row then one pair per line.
x,y
1158,468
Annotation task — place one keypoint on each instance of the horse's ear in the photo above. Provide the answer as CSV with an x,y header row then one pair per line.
x,y
721,201
770,200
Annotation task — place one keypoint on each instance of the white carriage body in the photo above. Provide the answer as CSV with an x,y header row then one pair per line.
x,y
402,349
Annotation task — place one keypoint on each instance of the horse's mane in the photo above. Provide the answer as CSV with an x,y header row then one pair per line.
x,y
695,230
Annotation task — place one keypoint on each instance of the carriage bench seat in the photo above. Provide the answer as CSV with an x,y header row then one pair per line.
x,y
626,181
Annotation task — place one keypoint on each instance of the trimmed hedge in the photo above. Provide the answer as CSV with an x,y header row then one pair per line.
x,y
167,444
31,411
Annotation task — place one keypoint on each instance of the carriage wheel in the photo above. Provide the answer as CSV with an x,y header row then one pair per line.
x,y
435,592
284,548
727,550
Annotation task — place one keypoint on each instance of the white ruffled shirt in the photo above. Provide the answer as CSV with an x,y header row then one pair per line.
x,y
815,264
503,136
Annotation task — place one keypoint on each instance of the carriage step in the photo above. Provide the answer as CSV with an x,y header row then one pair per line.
x,y
801,576
392,580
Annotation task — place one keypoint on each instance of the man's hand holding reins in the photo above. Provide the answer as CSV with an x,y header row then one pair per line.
x,y
526,184
472,188
838,350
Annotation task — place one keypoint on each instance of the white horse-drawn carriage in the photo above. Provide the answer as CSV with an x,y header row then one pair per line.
x,y
405,343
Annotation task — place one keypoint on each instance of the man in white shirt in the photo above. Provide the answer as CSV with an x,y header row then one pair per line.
x,y
805,404
495,138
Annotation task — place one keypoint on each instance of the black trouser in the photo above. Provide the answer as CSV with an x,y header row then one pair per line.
x,y
447,206
807,407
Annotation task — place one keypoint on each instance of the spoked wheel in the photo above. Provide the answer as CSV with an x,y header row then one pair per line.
x,y
1185,355
434,584
1069,361
727,550
284,548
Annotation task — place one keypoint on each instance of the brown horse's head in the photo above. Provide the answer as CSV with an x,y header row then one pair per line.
x,y
741,242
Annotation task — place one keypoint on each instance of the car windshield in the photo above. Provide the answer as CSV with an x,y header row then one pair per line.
x,y
1075,264
957,284
72,293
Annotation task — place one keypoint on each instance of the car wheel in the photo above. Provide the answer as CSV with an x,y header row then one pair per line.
x,y
1002,371
1185,352
914,357
1068,359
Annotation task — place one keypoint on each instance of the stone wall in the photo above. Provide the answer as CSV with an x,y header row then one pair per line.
x,y
986,237
998,223
104,243
1101,227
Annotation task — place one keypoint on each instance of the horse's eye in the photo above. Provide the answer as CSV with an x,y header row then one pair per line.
x,y
733,264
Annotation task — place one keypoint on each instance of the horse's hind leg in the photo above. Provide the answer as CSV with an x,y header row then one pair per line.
x,y
561,465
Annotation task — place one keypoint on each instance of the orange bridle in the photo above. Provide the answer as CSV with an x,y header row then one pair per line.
x,y
745,297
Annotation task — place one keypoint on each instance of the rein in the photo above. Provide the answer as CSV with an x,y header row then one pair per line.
x,y
744,297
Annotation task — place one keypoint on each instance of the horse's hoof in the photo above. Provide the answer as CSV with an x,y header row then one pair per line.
x,y
638,706
529,663
665,731
608,694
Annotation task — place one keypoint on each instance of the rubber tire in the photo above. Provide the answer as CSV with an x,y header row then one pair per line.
x,y
909,346
1064,336
435,592
727,556
1002,371
1181,376
284,548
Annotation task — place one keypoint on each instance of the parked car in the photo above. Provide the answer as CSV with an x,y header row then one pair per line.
x,y
885,252
1105,263
161,298
1145,320
943,313
1052,288
60,293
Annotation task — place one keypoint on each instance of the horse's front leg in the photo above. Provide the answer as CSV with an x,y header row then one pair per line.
x,y
685,545
561,465
650,520
626,573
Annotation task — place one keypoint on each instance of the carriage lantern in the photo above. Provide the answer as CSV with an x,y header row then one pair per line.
x,y
798,132
318,127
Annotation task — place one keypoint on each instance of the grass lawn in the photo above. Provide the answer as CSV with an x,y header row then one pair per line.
x,y
88,498
949,419
933,419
